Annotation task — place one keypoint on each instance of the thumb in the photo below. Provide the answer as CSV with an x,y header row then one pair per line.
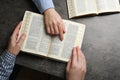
x,y
68,65
21,40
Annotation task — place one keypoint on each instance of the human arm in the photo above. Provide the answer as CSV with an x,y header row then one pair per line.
x,y
8,57
53,21
76,67
7,61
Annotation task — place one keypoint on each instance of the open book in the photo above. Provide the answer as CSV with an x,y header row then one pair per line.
x,y
38,42
85,7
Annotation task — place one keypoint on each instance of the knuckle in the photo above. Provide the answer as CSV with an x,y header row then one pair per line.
x,y
57,32
54,22
50,24
58,22
51,33
48,32
74,66
83,70
60,28
80,68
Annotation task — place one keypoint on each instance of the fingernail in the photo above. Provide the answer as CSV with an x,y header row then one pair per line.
x,y
61,39
63,31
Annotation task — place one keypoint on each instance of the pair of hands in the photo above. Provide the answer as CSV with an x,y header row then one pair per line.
x,y
76,67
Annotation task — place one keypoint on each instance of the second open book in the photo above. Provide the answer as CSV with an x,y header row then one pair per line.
x,y
38,42
85,7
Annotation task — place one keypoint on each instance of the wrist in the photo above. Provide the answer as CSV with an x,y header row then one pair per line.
x,y
49,10
11,52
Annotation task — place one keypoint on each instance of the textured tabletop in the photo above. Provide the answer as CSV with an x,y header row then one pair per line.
x,y
101,44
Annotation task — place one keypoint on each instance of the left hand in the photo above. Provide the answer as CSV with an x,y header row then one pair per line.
x,y
54,23
15,44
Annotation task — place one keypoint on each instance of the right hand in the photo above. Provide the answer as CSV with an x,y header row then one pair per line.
x,y
76,67
54,23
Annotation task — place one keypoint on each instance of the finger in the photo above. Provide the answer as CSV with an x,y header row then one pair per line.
x,y
47,25
68,65
83,60
61,32
48,30
16,31
79,56
74,56
83,76
63,28
51,29
82,56
21,40
55,28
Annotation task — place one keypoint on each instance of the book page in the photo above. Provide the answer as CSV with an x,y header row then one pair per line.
x,y
108,6
37,41
101,5
85,7
73,37
81,7
91,6
113,5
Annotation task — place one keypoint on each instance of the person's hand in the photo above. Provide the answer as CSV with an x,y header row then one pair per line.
x,y
53,22
15,43
76,67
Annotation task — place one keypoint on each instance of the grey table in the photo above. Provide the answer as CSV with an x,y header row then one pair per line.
x,y
101,44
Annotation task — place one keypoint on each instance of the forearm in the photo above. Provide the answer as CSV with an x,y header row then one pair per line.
x,y
7,62
43,5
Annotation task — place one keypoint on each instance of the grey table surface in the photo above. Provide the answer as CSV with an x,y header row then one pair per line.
x,y
101,44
